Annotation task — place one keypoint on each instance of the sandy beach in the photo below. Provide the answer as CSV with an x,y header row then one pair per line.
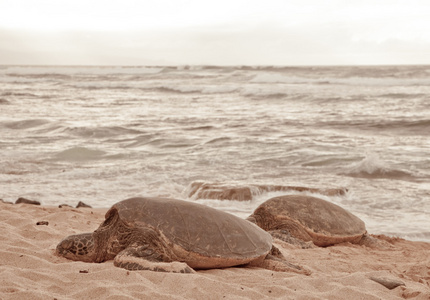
x,y
29,268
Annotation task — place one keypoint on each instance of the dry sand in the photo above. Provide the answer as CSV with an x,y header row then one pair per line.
x,y
29,269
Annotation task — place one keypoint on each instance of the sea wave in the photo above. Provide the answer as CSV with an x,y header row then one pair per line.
x,y
220,140
403,126
154,142
365,81
403,95
141,140
19,94
202,89
280,78
413,236
20,167
24,124
80,154
372,167
258,91
203,127
20,80
54,70
149,86
100,132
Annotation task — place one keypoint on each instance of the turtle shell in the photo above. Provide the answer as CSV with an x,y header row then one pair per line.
x,y
310,219
203,236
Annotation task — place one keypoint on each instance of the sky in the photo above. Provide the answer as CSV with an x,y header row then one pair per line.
x,y
221,32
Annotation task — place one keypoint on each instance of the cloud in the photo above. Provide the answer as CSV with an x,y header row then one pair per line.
x,y
228,44
225,32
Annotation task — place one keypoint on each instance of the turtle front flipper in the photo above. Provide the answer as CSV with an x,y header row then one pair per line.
x,y
281,265
143,257
275,261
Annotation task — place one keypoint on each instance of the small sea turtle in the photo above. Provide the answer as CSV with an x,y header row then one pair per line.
x,y
171,235
308,219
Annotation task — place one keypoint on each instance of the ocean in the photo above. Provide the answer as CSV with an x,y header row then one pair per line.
x,y
103,134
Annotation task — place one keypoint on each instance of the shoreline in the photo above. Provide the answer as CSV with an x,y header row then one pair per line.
x,y
30,269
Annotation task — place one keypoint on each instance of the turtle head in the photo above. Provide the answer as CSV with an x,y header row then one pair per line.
x,y
256,219
78,247
263,219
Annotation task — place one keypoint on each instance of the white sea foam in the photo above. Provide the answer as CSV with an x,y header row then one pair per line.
x,y
371,166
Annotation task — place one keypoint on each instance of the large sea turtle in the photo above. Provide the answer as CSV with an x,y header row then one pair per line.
x,y
171,235
308,219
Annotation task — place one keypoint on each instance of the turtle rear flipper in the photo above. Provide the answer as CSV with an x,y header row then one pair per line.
x,y
144,258
374,242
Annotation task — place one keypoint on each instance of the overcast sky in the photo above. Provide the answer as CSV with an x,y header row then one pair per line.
x,y
217,32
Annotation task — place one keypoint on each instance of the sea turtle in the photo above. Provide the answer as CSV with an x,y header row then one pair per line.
x,y
172,235
298,218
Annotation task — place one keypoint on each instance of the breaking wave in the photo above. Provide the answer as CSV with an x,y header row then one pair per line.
x,y
373,167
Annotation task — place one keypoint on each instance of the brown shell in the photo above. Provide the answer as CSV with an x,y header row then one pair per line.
x,y
196,228
310,218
